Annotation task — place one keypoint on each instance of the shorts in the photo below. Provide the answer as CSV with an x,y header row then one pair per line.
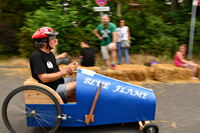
x,y
105,50
187,66
62,88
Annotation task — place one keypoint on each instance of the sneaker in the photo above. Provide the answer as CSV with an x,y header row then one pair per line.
x,y
113,67
195,78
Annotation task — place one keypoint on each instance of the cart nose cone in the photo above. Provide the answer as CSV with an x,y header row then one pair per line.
x,y
118,101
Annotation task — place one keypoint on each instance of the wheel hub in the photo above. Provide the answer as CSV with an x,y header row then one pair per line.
x,y
32,113
151,130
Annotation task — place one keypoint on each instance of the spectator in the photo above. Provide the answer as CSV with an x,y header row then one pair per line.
x,y
123,37
61,58
43,64
106,32
179,61
87,54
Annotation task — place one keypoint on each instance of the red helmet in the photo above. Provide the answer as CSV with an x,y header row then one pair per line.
x,y
44,32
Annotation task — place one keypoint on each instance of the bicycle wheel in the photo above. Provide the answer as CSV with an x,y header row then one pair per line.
x,y
22,116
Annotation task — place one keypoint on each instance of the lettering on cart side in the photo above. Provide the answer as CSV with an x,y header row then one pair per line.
x,y
122,89
90,81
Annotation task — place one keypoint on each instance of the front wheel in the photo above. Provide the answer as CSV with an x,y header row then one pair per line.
x,y
23,116
151,128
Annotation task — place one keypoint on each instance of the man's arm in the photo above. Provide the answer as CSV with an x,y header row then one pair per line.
x,y
63,55
50,77
114,34
54,76
96,33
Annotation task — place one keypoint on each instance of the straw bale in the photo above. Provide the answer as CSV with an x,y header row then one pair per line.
x,y
128,72
141,73
150,73
111,73
198,72
169,72
62,66
94,68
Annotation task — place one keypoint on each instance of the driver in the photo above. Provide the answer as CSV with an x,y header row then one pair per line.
x,y
43,64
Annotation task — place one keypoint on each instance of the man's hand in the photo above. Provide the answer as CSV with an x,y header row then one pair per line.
x,y
70,69
100,38
74,66
63,55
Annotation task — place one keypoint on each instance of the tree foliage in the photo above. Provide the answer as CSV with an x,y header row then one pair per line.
x,y
73,25
155,27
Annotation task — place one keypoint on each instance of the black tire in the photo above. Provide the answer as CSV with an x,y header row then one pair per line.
x,y
18,116
151,128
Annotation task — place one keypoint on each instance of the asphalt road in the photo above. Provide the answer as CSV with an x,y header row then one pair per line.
x,y
178,109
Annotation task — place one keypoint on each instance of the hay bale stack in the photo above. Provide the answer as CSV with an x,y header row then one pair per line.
x,y
113,74
198,72
169,72
150,73
62,66
137,72
128,72
94,68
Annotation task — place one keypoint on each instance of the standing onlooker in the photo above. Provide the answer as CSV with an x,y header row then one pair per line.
x,y
123,37
87,54
179,61
106,32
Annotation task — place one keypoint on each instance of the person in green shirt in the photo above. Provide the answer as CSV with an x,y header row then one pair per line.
x,y
106,32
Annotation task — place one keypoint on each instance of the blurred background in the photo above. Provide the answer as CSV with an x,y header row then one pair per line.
x,y
157,26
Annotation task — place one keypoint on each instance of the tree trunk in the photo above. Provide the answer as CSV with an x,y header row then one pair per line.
x,y
174,5
119,5
186,1
0,9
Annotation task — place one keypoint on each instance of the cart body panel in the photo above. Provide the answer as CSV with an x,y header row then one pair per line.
x,y
118,102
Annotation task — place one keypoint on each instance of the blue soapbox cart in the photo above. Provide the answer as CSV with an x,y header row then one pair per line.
x,y
99,100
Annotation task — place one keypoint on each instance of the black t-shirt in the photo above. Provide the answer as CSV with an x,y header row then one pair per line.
x,y
88,56
41,62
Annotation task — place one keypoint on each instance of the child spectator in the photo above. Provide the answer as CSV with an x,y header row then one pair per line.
x,y
87,54
179,61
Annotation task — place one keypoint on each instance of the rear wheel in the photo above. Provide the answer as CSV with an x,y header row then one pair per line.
x,y
151,128
23,116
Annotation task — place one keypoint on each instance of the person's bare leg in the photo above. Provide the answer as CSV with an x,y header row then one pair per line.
x,y
114,53
107,63
194,70
71,88
73,78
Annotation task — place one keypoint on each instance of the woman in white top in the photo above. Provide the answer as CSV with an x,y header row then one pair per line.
x,y
123,35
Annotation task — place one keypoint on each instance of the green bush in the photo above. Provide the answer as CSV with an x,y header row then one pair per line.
x,y
70,34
